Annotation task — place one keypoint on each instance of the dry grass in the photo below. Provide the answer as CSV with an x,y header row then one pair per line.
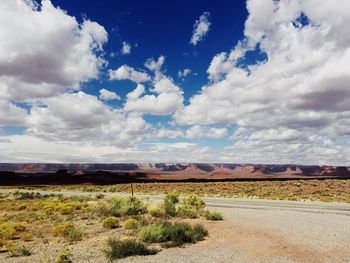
x,y
31,221
330,190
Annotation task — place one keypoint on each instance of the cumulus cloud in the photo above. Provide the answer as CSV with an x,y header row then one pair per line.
x,y
49,51
155,65
26,148
184,73
166,99
200,28
82,117
126,48
108,95
10,114
125,72
197,132
300,90
168,133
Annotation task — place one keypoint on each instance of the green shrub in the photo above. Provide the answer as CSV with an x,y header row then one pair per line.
x,y
187,211
134,206
69,231
110,222
214,216
17,251
117,249
181,233
194,201
120,206
68,207
198,233
63,256
102,209
116,206
131,223
177,233
10,230
157,212
155,233
169,203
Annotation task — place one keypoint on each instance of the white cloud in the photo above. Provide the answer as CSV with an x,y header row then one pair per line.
x,y
155,65
25,148
44,51
84,118
10,114
108,95
125,72
200,28
167,98
168,133
184,73
299,95
197,132
126,48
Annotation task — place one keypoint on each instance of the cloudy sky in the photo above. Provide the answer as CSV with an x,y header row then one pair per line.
x,y
257,81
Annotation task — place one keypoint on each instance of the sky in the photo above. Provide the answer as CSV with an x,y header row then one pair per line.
x,y
256,81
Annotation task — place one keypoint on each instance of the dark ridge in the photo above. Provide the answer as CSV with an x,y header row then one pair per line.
x,y
170,167
205,167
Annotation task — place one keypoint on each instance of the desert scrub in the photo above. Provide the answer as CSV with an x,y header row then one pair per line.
x,y
155,233
180,233
110,222
194,201
26,236
169,203
63,256
69,231
15,250
120,206
117,249
131,223
157,212
134,206
187,211
191,206
213,216
10,230
176,234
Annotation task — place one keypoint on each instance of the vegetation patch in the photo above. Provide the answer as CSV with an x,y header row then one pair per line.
x,y
63,256
117,248
15,250
69,231
110,222
213,216
29,219
131,223
177,233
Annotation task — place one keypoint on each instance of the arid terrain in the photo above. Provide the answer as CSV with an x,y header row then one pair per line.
x,y
85,213
252,231
328,190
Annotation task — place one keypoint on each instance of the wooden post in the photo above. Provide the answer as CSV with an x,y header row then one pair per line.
x,y
132,190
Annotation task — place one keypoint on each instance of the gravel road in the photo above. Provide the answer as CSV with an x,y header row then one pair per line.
x,y
261,231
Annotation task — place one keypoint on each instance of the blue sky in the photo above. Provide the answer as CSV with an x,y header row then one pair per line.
x,y
256,81
155,28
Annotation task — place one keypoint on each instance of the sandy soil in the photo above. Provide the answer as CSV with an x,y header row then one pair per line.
x,y
260,232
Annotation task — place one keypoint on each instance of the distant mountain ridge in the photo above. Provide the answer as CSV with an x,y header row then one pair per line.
x,y
181,169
